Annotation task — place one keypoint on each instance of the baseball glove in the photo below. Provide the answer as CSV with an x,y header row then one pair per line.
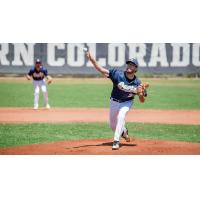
x,y
143,94
49,82
49,79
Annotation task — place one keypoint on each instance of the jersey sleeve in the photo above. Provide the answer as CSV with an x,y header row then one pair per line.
x,y
45,72
30,73
113,75
139,82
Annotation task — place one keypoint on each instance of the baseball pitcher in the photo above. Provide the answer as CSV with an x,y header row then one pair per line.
x,y
38,74
125,86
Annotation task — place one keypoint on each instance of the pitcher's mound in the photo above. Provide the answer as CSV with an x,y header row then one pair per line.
x,y
104,147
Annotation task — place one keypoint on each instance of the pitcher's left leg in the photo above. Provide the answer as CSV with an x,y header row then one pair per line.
x,y
124,108
120,123
124,134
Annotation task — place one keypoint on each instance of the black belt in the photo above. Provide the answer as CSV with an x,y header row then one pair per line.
x,y
121,101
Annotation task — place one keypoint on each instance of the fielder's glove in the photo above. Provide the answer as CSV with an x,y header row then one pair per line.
x,y
49,80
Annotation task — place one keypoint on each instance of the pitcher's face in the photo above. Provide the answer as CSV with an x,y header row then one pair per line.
x,y
131,68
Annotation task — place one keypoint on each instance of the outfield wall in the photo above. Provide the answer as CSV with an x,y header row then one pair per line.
x,y
68,58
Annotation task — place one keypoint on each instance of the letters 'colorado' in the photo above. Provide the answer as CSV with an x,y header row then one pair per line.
x,y
51,54
115,49
4,49
138,54
75,54
180,59
23,53
158,55
196,54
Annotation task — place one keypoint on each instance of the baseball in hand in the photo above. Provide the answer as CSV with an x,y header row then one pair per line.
x,y
85,49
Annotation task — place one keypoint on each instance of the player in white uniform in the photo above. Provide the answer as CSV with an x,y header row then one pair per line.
x,y
38,74
125,86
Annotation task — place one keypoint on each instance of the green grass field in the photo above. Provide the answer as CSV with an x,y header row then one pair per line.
x,y
25,134
163,93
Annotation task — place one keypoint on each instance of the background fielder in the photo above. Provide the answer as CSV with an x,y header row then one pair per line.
x,y
38,74
125,86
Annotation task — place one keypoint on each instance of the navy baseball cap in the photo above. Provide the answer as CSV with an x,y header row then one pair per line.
x,y
133,61
38,61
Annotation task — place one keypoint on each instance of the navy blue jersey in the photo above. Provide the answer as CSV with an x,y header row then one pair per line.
x,y
122,86
38,75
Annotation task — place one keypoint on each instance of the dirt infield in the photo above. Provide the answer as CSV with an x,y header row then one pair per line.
x,y
62,115
101,146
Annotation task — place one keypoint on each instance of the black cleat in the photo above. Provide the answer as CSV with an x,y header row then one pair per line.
x,y
115,145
